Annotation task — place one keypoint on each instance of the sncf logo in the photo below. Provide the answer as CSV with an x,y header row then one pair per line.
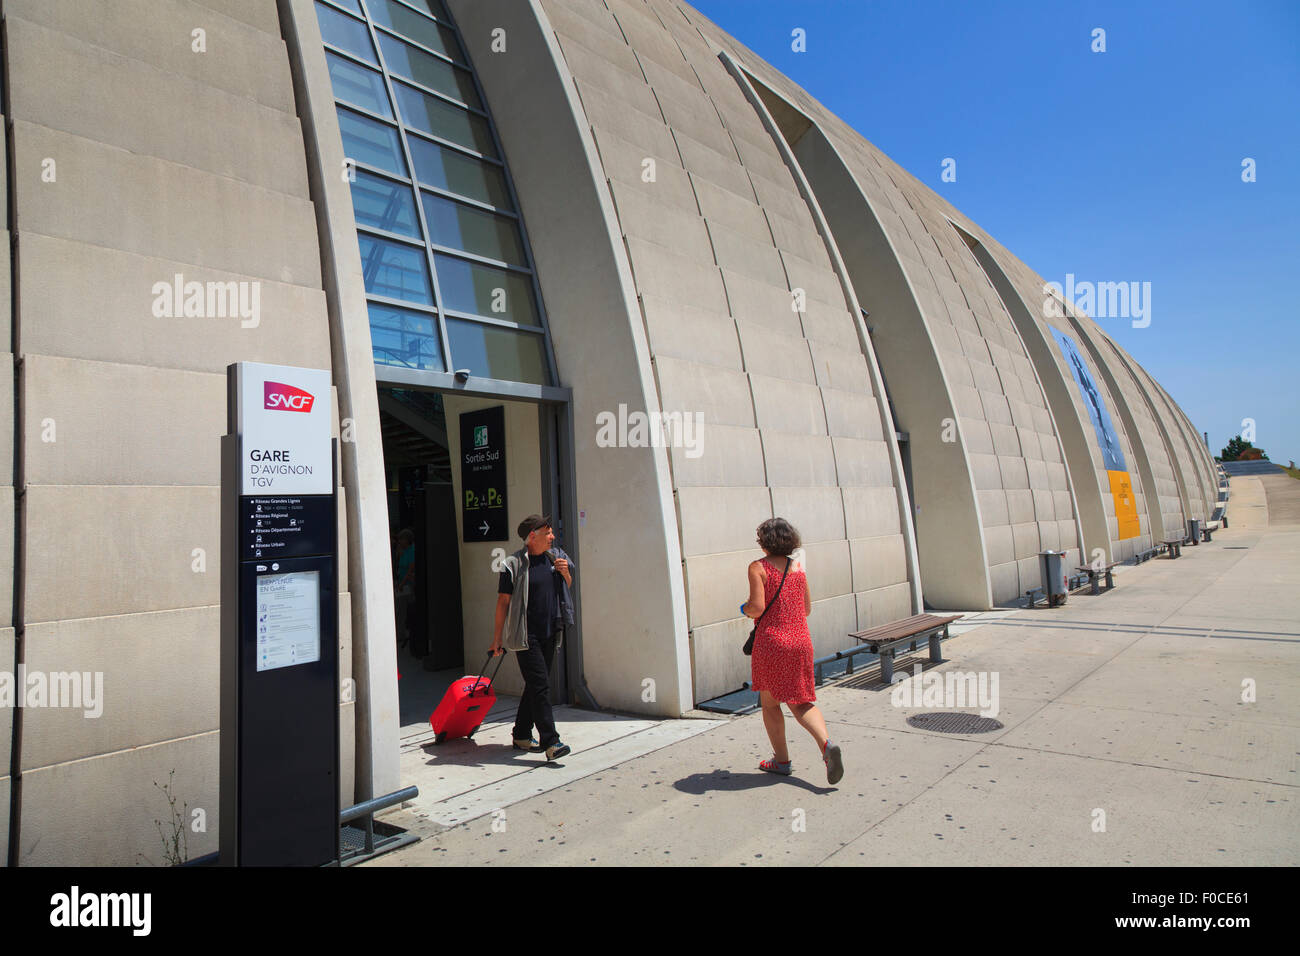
x,y
286,398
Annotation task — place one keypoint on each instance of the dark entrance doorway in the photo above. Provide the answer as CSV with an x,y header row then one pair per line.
x,y
422,529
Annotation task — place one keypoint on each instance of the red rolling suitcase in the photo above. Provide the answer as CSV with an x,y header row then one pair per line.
x,y
464,706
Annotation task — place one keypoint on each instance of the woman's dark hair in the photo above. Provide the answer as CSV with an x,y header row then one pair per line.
x,y
778,536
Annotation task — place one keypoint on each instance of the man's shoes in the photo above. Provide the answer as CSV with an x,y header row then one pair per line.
x,y
557,750
530,746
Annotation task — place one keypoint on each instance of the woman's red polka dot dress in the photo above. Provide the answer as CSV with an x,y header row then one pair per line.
x,y
782,663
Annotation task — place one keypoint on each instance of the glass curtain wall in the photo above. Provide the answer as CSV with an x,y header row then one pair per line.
x,y
448,275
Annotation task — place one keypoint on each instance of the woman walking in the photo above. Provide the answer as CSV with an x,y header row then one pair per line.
x,y
782,667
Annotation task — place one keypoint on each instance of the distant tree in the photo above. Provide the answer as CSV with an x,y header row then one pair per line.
x,y
1238,449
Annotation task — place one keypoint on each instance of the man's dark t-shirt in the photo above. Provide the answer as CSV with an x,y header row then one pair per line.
x,y
543,601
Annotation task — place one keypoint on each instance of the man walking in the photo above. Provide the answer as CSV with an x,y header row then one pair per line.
x,y
534,605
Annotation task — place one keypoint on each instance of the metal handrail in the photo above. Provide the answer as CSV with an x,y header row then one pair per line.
x,y
367,809
375,804
821,662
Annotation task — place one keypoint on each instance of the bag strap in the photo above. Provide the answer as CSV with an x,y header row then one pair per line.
x,y
500,658
768,607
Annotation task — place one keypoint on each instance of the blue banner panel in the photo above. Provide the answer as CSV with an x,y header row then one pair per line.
x,y
1095,403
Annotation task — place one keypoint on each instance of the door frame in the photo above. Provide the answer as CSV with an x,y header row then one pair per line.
x,y
558,486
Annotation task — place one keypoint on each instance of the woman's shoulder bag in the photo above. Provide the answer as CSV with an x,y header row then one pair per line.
x,y
749,644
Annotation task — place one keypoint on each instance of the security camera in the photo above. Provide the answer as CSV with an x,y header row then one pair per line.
x,y
462,375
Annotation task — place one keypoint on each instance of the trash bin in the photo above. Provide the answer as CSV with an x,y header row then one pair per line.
x,y
1194,530
1055,587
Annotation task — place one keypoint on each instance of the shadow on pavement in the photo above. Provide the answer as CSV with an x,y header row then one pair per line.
x,y
467,753
728,782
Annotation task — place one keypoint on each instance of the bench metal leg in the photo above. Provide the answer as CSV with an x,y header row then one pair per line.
x,y
934,648
1110,580
887,666
1095,578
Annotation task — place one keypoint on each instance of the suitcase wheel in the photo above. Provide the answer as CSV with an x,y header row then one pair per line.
x,y
442,735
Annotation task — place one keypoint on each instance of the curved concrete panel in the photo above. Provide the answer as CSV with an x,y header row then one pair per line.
x,y
141,163
632,591
1176,431
369,563
1095,438
710,242
724,251
990,487
1152,448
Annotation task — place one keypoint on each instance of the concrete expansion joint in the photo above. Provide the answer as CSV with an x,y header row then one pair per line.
x,y
165,74
128,614
152,745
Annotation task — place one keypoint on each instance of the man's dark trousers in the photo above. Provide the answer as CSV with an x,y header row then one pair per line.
x,y
535,702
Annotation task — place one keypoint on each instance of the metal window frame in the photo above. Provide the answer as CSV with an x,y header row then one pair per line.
x,y
359,64
420,47
527,270
445,24
378,119
348,14
450,104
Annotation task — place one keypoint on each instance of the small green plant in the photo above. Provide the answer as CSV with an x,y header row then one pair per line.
x,y
176,843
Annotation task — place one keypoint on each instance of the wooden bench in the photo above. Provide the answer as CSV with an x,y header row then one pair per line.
x,y
1174,547
886,638
1095,575
1207,529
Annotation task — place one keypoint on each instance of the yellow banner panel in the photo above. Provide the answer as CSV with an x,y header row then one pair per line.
x,y
1121,489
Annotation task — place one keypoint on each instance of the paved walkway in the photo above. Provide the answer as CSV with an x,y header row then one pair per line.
x,y
1128,738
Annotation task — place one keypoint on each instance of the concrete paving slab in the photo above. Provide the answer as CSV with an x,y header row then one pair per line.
x,y
1223,744
1017,808
840,710
1168,682
1282,500
695,803
538,775
442,771
1124,710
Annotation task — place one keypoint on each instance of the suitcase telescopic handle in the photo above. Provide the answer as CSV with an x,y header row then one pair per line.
x,y
500,658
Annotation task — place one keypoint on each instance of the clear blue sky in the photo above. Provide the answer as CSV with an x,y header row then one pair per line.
x,y
1115,166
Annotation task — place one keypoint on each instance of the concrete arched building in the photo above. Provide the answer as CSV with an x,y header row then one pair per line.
x,y
603,210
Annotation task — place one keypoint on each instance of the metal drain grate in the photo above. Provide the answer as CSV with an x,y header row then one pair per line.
x,y
351,840
954,723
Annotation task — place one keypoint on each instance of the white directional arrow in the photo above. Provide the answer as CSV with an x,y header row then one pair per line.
x,y
485,528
